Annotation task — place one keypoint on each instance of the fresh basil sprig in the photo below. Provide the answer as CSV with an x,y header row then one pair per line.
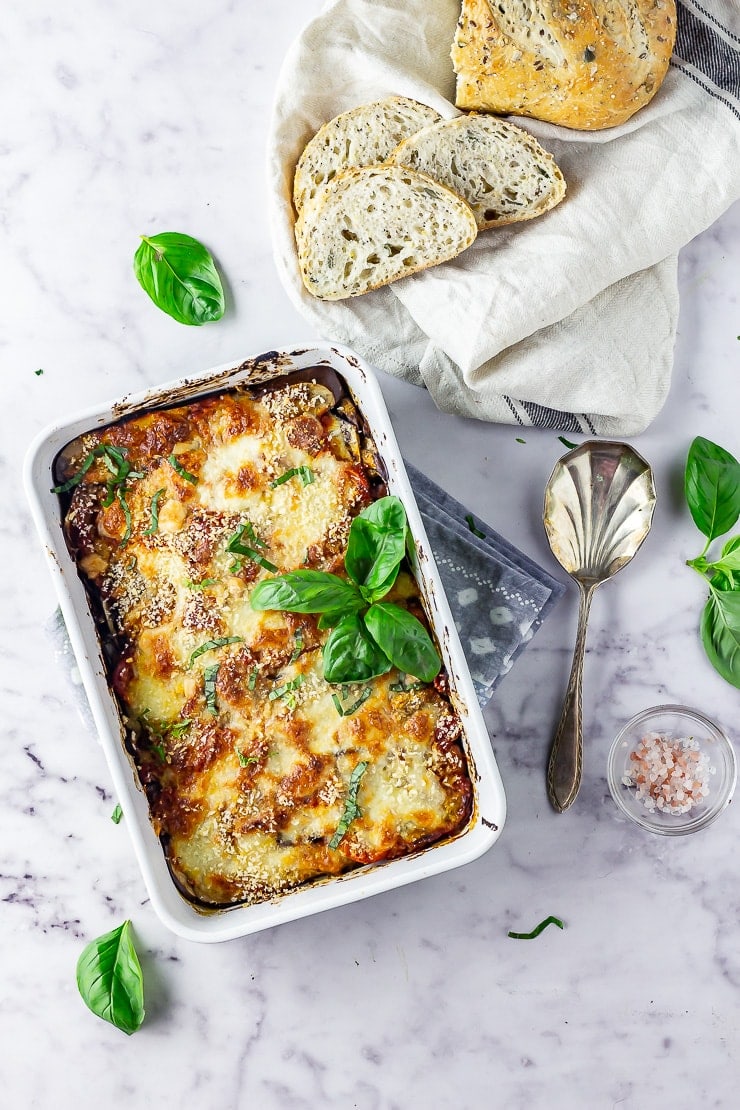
x,y
110,981
367,638
712,489
180,276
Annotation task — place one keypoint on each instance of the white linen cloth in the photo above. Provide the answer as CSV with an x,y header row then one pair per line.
x,y
567,321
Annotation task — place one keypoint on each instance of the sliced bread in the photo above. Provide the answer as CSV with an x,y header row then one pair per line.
x,y
363,136
372,225
501,170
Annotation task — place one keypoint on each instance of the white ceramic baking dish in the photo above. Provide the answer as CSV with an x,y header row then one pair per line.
x,y
183,917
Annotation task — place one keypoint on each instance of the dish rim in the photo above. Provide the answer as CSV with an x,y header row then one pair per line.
x,y
175,911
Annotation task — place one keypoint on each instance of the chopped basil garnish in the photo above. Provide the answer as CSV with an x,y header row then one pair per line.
x,y
538,929
286,688
471,525
245,760
298,646
567,443
177,730
351,808
210,645
404,687
126,515
180,469
236,546
253,678
210,674
348,710
305,474
116,815
200,585
154,513
159,751
119,466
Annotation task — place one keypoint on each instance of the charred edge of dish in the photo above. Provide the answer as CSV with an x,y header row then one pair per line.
x,y
489,824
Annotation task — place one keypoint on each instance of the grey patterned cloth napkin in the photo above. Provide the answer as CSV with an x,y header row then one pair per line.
x,y
498,596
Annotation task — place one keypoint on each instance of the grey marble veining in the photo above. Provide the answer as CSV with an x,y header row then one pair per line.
x,y
132,117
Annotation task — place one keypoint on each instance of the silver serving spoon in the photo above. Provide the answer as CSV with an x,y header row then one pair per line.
x,y
599,504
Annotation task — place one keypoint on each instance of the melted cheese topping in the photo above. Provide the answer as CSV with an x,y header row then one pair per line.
x,y
246,759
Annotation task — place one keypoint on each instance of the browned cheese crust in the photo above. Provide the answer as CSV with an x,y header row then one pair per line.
x,y
236,736
586,64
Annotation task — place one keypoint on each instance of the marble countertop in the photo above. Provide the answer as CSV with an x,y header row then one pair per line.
x,y
134,117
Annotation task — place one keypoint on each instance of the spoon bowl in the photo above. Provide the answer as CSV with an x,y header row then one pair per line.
x,y
599,504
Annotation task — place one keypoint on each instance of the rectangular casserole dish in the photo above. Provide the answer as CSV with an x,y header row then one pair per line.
x,y
176,911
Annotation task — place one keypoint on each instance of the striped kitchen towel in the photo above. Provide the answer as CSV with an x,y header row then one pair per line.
x,y
566,322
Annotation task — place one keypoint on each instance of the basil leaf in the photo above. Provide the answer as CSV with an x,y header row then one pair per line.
x,y
154,513
351,808
110,981
329,620
209,645
286,688
712,487
305,474
376,544
180,469
210,675
348,710
306,591
720,632
403,639
537,929
350,655
237,547
179,275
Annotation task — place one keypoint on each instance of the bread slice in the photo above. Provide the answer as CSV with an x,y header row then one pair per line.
x,y
586,64
501,170
373,225
363,136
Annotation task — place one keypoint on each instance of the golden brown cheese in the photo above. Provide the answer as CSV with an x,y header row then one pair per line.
x,y
248,756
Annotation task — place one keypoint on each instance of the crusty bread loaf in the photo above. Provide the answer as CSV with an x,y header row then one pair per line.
x,y
500,169
373,225
586,64
363,136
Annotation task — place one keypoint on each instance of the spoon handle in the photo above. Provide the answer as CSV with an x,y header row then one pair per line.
x,y
566,754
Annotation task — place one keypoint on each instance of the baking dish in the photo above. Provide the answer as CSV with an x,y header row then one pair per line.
x,y
179,914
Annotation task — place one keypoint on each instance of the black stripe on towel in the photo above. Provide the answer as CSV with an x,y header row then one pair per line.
x,y
699,42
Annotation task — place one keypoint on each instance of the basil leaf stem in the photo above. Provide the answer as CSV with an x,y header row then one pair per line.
x,y
109,979
179,275
351,808
210,645
180,469
538,929
154,513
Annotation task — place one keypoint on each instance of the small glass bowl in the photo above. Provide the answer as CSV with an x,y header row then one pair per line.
x,y
673,721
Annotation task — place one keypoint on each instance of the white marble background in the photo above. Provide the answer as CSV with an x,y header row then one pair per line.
x,y
120,118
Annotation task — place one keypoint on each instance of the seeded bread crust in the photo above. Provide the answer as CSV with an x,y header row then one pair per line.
x,y
586,64
363,136
499,169
372,225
